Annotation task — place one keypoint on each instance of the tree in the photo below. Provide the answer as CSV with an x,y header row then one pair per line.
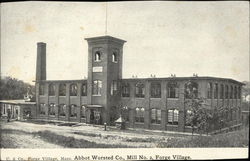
x,y
201,115
12,88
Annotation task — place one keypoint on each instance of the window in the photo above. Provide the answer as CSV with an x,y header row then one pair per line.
x,y
42,109
52,109
113,88
239,93
73,90
216,90
173,115
62,110
235,92
97,56
83,112
209,90
41,89
62,90
188,117
172,90
155,116
73,110
139,90
97,86
231,92
84,89
139,114
221,91
52,90
156,90
191,90
125,90
114,57
226,92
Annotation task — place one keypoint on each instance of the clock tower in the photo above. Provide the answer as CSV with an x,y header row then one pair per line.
x,y
105,55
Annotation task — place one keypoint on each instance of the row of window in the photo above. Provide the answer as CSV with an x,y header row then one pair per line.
x,y
62,89
173,115
223,91
190,91
155,90
98,56
62,110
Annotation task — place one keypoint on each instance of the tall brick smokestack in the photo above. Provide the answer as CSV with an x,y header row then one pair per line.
x,y
41,61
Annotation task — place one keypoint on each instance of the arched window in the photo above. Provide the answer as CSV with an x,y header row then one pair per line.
x,y
173,115
226,92
62,90
139,90
221,91
155,116
73,110
125,90
239,92
84,89
52,90
216,90
209,90
52,109
73,90
97,87
114,57
191,90
41,89
156,90
62,110
139,114
235,92
113,88
97,56
231,92
42,109
172,88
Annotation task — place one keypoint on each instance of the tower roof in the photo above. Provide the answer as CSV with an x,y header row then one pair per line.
x,y
104,38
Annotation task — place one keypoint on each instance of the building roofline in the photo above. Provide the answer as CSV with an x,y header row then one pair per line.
x,y
153,79
75,80
107,37
185,78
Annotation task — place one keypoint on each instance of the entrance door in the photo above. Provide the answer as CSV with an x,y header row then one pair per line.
x,y
97,116
92,118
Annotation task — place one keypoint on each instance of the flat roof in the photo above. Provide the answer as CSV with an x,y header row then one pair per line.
x,y
16,102
155,79
185,78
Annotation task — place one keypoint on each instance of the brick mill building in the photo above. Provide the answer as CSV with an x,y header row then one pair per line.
x,y
151,103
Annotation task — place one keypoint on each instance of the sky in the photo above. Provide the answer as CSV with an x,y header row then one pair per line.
x,y
163,38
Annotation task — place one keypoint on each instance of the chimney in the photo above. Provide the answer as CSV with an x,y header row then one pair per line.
x,y
41,61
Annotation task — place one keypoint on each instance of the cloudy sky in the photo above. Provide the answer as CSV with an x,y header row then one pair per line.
x,y
208,38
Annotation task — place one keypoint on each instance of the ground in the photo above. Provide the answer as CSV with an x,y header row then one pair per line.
x,y
36,134
16,134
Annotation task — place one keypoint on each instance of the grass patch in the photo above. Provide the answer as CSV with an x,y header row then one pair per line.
x,y
232,139
87,134
143,140
71,142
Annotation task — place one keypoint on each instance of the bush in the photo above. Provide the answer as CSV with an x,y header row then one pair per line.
x,y
232,139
